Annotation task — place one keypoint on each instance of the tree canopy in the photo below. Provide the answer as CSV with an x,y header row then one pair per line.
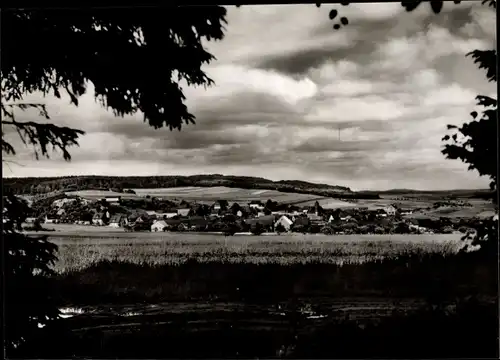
x,y
134,57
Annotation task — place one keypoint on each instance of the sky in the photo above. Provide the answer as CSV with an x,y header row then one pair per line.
x,y
365,106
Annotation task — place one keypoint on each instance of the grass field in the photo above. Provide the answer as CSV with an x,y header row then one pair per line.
x,y
80,251
210,194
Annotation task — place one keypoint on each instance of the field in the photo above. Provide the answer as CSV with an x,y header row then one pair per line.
x,y
210,194
80,251
145,295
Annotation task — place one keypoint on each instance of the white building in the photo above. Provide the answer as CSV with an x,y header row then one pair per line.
x,y
285,221
159,225
170,215
390,210
183,212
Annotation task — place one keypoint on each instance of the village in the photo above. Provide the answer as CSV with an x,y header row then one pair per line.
x,y
255,217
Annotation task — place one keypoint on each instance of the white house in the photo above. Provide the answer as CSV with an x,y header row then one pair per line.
x,y
331,219
285,222
50,220
159,225
239,213
112,200
390,210
170,215
183,212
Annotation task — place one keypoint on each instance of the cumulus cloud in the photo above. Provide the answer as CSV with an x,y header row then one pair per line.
x,y
365,106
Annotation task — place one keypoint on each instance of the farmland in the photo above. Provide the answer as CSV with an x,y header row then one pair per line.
x,y
81,251
204,194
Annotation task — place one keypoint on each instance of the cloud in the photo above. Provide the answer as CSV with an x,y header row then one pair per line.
x,y
364,107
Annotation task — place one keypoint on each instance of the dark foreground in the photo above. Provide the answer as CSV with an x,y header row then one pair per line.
x,y
425,307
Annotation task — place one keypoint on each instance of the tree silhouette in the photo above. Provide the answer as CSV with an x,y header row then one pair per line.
x,y
136,59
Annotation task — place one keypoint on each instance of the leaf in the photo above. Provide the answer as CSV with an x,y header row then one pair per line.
x,y
436,6
344,20
318,4
446,138
449,127
333,14
336,26
473,114
410,5
344,3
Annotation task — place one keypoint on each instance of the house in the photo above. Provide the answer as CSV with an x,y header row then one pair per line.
x,y
50,219
198,223
159,225
169,215
99,219
183,212
113,200
239,213
30,220
390,210
346,218
266,221
118,220
314,217
61,202
405,211
302,221
171,223
216,206
256,205
284,221
261,214
331,218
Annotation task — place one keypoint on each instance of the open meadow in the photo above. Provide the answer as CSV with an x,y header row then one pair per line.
x,y
80,251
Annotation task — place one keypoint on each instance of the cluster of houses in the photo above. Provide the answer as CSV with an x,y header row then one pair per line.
x,y
270,217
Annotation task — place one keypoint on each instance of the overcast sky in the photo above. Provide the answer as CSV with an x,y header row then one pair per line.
x,y
285,83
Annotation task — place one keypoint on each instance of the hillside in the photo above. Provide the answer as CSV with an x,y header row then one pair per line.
x,y
35,186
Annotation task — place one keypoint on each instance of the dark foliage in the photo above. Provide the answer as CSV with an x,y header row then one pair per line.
x,y
470,331
163,44
28,291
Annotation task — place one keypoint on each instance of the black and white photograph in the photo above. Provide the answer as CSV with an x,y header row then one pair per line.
x,y
250,181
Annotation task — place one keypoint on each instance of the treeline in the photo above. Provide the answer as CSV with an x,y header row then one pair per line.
x,y
35,186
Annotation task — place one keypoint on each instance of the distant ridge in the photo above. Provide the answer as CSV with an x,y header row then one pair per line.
x,y
31,185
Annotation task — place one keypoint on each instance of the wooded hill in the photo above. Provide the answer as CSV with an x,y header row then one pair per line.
x,y
34,186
